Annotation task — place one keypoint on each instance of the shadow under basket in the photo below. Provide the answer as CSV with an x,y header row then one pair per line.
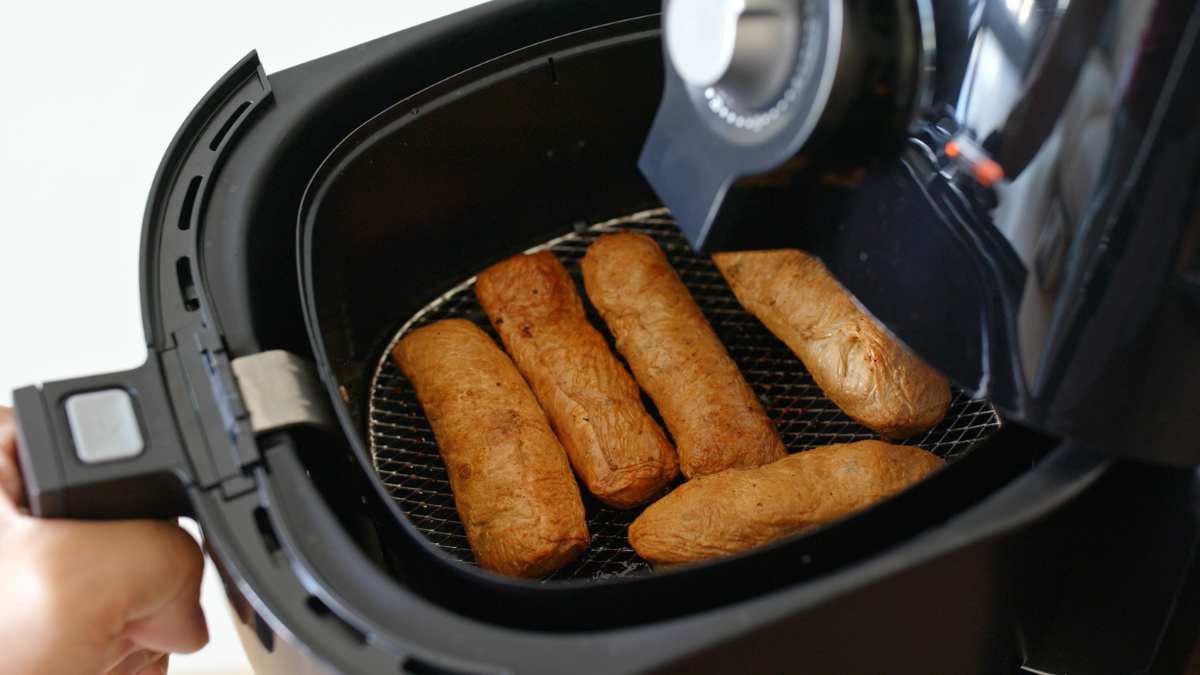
x,y
405,453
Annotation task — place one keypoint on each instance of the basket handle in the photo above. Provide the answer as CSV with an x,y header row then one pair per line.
x,y
101,447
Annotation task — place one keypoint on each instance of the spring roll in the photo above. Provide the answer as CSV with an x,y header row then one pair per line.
x,y
858,365
512,485
617,449
712,413
740,509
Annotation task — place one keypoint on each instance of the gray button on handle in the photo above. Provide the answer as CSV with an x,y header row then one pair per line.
x,y
104,426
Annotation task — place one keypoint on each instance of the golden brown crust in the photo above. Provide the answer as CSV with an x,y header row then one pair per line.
x,y
740,509
511,481
617,449
858,365
713,414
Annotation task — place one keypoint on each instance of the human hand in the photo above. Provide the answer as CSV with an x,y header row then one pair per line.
x,y
87,598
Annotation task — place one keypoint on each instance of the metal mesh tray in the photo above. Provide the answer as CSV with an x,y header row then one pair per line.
x,y
406,457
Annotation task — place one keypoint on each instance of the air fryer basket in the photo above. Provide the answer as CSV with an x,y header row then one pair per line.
x,y
405,454
536,148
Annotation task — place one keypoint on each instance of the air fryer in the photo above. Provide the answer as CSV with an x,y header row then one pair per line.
x,y
301,222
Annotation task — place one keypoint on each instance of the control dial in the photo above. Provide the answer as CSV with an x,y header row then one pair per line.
x,y
746,49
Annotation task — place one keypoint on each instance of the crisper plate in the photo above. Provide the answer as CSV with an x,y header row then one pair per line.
x,y
406,455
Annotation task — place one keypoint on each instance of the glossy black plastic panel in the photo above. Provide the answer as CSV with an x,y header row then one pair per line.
x,y
859,74
1066,291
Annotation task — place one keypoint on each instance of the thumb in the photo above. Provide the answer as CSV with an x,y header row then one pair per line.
x,y
10,477
162,599
93,593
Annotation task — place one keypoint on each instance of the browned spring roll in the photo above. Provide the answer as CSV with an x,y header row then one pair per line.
x,y
593,404
854,361
740,509
511,481
714,416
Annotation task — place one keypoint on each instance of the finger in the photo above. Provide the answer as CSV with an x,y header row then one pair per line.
x,y
159,667
141,661
128,584
12,493
7,425
10,477
88,593
165,614
8,432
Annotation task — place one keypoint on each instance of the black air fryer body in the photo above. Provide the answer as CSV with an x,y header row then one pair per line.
x,y
311,211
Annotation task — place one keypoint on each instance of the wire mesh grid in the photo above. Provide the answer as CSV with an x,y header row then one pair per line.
x,y
406,456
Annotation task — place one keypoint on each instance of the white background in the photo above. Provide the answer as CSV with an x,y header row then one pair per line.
x,y
91,93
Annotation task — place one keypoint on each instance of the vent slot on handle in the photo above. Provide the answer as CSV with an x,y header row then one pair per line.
x,y
187,284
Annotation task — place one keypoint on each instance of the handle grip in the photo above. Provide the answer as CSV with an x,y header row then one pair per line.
x,y
101,447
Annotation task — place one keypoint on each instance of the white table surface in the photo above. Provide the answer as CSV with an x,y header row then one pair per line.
x,y
90,95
